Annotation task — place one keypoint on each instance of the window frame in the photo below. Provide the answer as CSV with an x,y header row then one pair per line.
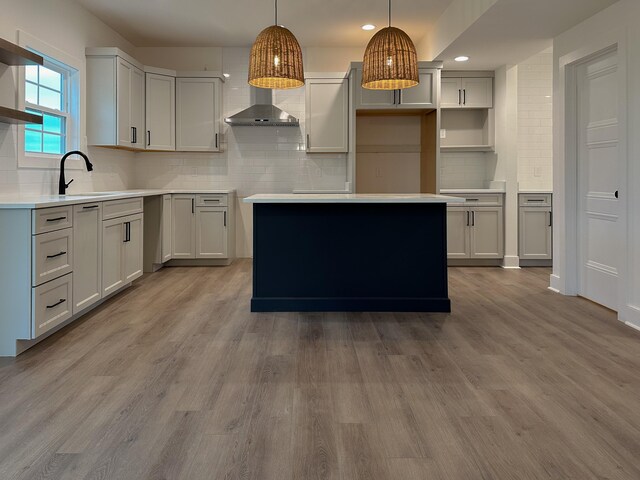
x,y
71,68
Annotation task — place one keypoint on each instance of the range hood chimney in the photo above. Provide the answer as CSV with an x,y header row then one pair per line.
x,y
262,112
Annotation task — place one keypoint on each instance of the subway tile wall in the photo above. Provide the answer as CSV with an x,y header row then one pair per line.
x,y
466,169
535,124
255,159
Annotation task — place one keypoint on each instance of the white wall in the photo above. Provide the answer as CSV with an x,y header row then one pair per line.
x,y
620,21
535,123
70,28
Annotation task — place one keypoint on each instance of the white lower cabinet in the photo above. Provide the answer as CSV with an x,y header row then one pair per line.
x,y
211,232
475,232
87,228
122,243
184,226
535,227
202,226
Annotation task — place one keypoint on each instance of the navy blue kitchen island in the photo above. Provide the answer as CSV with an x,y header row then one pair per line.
x,y
350,252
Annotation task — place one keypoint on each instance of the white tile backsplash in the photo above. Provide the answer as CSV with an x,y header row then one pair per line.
x,y
535,124
466,169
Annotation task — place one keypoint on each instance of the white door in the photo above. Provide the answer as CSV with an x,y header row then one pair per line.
x,y
327,110
597,136
457,232
197,115
132,254
166,228
477,92
184,226
211,232
423,94
487,232
161,112
137,108
123,93
450,92
87,253
112,262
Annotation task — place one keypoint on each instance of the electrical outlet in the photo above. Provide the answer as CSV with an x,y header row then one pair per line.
x,y
443,133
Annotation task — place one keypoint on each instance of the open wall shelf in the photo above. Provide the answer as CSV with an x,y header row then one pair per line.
x,y
12,54
10,115
467,130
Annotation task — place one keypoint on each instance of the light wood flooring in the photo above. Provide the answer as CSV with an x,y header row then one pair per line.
x,y
176,379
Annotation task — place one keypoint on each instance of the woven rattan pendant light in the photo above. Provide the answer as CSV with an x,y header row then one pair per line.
x,y
390,60
276,59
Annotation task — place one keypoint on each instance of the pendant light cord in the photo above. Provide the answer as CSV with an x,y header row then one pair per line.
x,y
276,8
389,12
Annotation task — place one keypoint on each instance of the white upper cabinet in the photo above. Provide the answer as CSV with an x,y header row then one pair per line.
x,y
161,112
422,95
327,115
467,92
198,114
115,102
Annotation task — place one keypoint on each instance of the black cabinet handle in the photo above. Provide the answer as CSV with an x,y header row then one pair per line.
x,y
216,140
473,218
133,134
536,200
468,218
148,137
459,97
193,205
57,219
225,218
62,300
57,255
464,96
90,207
127,232
616,194
551,219
399,97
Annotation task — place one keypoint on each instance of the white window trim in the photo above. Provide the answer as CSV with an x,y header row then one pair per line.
x,y
72,97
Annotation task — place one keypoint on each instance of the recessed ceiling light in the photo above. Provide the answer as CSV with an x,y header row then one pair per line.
x,y
368,26
461,58
226,75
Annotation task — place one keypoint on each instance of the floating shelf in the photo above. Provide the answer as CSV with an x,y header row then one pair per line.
x,y
12,54
467,148
10,115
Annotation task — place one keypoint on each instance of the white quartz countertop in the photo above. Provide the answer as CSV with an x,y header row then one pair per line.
x,y
535,191
42,201
450,191
351,198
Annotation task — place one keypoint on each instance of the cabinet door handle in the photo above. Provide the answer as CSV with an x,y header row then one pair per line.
x,y
62,300
225,218
550,218
128,231
467,218
308,142
193,205
216,140
464,96
148,137
211,200
133,134
535,200
90,207
57,219
616,194
473,218
399,97
459,97
473,199
57,255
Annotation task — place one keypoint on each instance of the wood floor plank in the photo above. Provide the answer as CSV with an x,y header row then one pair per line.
x,y
175,378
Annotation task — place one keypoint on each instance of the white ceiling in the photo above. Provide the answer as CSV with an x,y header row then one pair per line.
x,y
514,30
237,22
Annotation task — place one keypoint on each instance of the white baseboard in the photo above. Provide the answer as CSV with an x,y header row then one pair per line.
x,y
554,283
511,261
630,315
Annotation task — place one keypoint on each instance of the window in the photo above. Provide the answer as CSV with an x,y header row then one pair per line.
x,y
46,95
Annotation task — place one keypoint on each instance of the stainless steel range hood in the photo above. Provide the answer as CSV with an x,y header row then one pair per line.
x,y
262,113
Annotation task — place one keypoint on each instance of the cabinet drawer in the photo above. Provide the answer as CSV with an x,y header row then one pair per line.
x,y
52,255
52,304
121,208
211,200
51,219
535,199
482,200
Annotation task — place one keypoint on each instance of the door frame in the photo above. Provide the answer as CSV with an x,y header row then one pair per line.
x,y
565,278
